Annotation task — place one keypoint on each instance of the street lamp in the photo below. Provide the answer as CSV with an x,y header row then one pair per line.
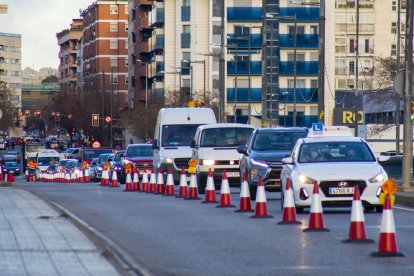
x,y
285,93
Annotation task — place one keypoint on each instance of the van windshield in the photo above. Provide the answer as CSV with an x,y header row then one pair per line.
x,y
225,137
178,135
46,161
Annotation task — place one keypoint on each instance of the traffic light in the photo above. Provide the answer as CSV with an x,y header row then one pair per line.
x,y
95,120
37,113
57,116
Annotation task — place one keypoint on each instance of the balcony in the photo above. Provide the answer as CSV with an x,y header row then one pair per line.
x,y
159,42
243,68
159,68
146,2
304,41
302,14
303,68
244,14
242,41
156,17
303,95
185,13
242,95
185,40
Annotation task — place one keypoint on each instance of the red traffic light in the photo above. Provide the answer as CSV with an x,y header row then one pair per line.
x,y
108,119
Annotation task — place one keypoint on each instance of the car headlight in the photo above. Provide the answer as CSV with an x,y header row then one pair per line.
x,y
100,169
117,168
207,162
303,179
167,160
377,178
259,163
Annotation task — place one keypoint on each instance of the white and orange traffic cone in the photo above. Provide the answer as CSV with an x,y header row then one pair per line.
x,y
357,233
135,182
193,189
81,177
128,183
169,190
114,181
225,197
289,210
245,202
316,223
153,182
67,178
106,177
210,196
2,177
387,245
160,182
183,189
145,186
87,176
261,203
26,174
10,177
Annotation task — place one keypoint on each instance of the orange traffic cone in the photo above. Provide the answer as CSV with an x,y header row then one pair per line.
x,y
210,196
10,177
357,233
245,202
153,182
316,214
183,190
160,182
145,186
87,176
128,183
135,182
225,197
169,190
387,246
261,203
114,182
2,174
289,210
81,177
193,189
26,175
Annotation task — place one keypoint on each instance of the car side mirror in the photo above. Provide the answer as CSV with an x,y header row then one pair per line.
x,y
383,158
155,144
193,144
287,160
242,150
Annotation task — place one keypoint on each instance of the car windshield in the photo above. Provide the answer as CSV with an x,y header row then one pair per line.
x,y
103,158
46,161
225,137
139,151
9,158
11,164
34,148
118,156
335,152
277,140
178,135
63,162
68,151
90,154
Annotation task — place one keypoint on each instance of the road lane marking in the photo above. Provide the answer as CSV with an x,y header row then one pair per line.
x,y
403,208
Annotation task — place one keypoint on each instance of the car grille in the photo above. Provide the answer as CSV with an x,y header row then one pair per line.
x,y
226,162
275,164
325,185
141,166
181,162
275,174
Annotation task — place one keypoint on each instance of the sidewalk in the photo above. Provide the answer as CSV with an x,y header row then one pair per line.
x,y
405,199
36,240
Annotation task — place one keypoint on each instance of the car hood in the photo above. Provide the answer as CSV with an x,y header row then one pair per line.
x,y
341,170
270,155
219,153
139,159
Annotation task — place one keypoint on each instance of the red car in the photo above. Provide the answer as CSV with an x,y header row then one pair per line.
x,y
140,155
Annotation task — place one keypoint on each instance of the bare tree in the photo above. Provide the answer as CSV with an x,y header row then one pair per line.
x,y
386,70
8,110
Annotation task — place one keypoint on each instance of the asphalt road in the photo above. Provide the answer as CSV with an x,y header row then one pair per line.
x,y
170,236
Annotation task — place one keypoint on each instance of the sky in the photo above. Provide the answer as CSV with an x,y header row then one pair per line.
x,y
38,21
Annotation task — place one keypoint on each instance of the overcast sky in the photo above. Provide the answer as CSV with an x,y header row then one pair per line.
x,y
38,21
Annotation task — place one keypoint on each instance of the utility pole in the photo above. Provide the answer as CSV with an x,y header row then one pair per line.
x,y
250,77
264,67
321,63
294,73
103,104
408,97
235,84
111,107
222,66
356,70
397,96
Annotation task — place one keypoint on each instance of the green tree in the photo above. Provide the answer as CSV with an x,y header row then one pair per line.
x,y
50,79
8,110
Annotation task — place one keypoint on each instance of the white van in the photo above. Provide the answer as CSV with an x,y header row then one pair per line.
x,y
215,147
46,158
173,134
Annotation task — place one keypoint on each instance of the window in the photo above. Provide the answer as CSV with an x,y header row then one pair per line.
x,y
351,67
126,80
186,56
126,9
113,27
241,30
186,2
393,27
366,46
114,79
186,83
15,61
299,83
314,30
113,44
217,5
393,50
299,57
186,29
15,85
126,62
14,98
126,44
126,27
113,62
15,73
352,45
394,5
113,9
314,83
216,32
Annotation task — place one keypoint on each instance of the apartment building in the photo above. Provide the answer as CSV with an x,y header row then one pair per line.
x,y
105,49
68,40
3,8
10,65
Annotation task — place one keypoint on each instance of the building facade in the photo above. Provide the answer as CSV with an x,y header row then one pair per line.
x,y
10,65
105,49
68,41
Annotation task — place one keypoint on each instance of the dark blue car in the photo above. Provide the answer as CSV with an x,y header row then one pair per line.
x,y
11,167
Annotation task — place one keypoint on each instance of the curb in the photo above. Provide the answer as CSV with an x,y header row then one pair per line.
x,y
5,184
404,200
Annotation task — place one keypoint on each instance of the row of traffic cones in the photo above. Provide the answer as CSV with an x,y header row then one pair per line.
x,y
61,177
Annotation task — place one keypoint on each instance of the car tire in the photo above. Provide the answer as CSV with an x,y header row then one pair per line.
x,y
201,184
379,209
369,208
300,210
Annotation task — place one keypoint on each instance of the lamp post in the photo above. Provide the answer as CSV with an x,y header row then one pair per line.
x,y
204,74
146,97
285,93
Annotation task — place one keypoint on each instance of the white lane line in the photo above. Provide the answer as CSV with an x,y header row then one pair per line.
x,y
403,208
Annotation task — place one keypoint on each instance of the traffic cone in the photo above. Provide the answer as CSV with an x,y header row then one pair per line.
x,y
225,197
357,233
105,175
81,179
169,190
114,181
10,177
153,182
87,176
67,178
26,175
2,174
316,214
193,189
210,196
145,186
135,182
245,202
103,178
289,210
387,245
261,203
160,182
183,190
128,183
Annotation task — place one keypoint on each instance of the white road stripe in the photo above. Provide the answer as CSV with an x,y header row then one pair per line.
x,y
403,208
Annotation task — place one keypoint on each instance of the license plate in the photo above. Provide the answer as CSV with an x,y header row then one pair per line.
x,y
233,174
341,191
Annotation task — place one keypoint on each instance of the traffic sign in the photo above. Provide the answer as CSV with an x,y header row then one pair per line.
x,y
96,144
317,127
390,187
108,119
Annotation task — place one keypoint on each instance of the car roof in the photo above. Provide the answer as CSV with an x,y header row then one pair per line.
x,y
283,129
68,159
226,125
332,139
140,145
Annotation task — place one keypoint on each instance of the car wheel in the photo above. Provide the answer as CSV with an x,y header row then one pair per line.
x,y
300,210
379,209
201,184
369,208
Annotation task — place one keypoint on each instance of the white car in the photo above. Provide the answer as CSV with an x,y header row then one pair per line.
x,y
338,162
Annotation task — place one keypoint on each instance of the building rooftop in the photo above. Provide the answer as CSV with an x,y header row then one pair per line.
x,y
10,35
